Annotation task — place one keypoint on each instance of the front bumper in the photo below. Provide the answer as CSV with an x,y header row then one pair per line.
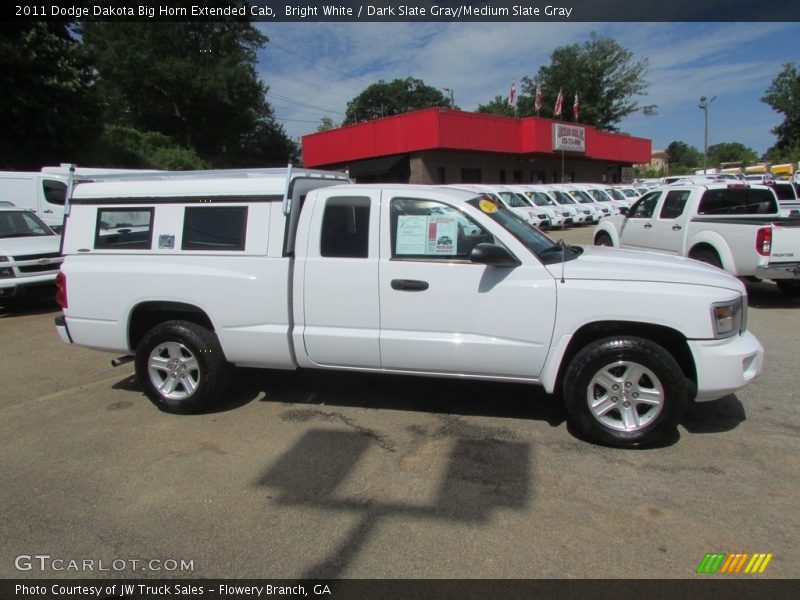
x,y
13,287
726,366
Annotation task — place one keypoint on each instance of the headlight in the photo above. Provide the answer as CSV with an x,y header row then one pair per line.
x,y
5,272
728,318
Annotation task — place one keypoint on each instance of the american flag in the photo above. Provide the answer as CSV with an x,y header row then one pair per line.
x,y
512,93
559,102
576,108
538,102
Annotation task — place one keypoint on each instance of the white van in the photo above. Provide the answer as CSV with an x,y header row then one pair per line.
x,y
44,192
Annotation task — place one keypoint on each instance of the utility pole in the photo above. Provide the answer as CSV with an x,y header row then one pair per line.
x,y
704,104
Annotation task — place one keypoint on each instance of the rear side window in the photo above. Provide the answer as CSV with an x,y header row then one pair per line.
x,y
214,228
674,204
738,201
345,228
124,228
785,191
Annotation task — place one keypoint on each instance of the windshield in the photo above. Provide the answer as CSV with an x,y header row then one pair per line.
x,y
534,240
616,194
540,199
630,193
514,200
562,198
581,196
599,196
21,223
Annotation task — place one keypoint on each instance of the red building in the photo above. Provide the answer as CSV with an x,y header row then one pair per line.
x,y
439,145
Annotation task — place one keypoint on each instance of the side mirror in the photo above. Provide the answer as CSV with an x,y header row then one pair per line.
x,y
493,255
623,211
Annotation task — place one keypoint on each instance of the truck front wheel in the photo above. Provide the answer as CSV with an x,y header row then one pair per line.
x,y
624,391
181,367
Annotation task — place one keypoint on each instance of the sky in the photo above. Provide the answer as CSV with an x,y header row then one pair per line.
x,y
313,69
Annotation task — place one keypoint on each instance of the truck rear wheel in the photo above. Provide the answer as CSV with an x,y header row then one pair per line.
x,y
603,239
707,256
181,366
624,391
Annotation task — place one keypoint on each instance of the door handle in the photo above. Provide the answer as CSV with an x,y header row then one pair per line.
x,y
48,211
648,225
676,228
409,285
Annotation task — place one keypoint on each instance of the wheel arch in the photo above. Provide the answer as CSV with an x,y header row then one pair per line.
x,y
670,339
147,315
713,242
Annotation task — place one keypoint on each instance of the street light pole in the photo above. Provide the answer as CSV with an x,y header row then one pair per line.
x,y
452,97
704,104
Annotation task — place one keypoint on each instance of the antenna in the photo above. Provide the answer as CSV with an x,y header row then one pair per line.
x,y
563,247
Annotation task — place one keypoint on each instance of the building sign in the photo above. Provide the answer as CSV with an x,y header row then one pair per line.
x,y
569,137
626,174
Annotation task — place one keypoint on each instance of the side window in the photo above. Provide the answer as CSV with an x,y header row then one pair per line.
x,y
425,229
674,204
214,228
55,192
345,228
739,201
124,228
645,207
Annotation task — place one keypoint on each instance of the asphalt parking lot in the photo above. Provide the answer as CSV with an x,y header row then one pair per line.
x,y
357,476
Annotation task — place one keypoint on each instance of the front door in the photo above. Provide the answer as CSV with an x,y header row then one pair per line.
x,y
439,312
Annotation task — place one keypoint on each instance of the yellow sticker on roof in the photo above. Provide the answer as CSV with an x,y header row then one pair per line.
x,y
487,206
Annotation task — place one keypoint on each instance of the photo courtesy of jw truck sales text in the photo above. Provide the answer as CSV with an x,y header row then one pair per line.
x,y
327,274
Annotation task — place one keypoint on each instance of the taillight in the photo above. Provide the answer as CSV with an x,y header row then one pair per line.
x,y
61,291
764,241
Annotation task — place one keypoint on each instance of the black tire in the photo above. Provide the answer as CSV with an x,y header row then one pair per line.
x,y
639,368
603,239
194,372
789,287
710,257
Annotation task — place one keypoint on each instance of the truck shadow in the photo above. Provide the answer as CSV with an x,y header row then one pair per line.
x,y
716,416
765,294
395,392
482,475
28,307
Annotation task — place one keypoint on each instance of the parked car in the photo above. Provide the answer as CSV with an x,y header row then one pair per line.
x,y
29,255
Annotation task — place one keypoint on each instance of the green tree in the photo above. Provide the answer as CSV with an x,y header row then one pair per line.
x,y
399,96
48,105
498,106
783,95
194,82
122,146
683,158
604,75
326,123
731,152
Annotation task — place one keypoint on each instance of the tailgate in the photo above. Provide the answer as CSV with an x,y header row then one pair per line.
x,y
785,242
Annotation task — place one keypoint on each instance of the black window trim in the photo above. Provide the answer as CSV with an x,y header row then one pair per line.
x,y
193,247
138,246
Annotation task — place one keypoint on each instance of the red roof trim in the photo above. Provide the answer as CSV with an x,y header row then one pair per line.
x,y
446,129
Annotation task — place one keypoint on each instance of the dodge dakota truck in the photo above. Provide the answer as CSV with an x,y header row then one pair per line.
x,y
189,276
734,226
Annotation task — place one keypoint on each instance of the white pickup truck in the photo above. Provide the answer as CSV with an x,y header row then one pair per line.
x,y
302,270
736,227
